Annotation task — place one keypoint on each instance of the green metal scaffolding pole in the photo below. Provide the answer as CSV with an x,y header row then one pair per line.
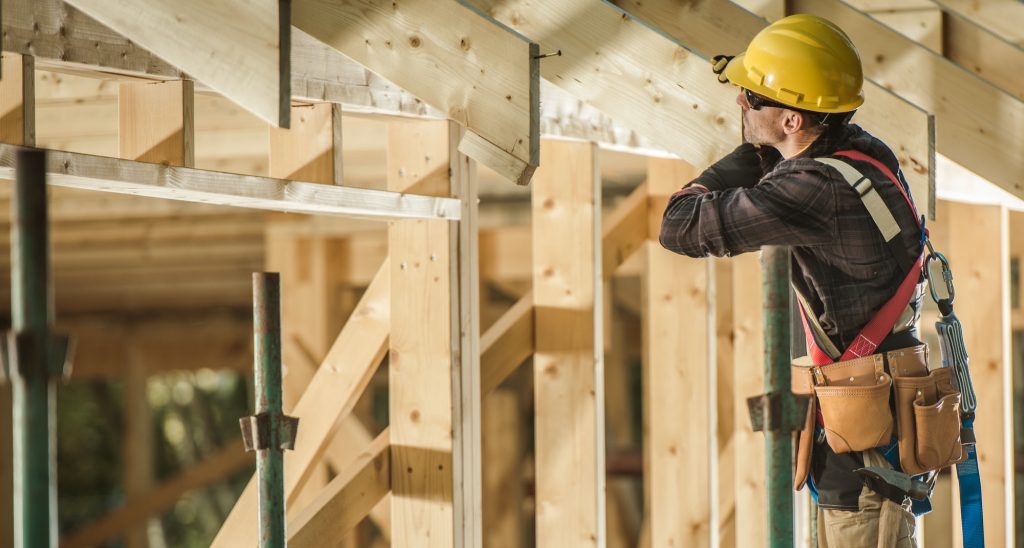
x,y
36,356
780,408
269,432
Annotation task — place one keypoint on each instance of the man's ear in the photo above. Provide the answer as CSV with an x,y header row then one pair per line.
x,y
792,122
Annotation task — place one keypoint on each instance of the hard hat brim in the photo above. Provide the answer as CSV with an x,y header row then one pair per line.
x,y
737,75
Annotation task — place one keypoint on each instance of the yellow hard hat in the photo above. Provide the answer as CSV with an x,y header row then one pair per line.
x,y
802,61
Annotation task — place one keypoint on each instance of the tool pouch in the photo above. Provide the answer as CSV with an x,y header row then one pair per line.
x,y
854,399
927,420
802,383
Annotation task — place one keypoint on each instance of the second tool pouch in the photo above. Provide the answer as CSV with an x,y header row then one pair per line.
x,y
928,421
853,396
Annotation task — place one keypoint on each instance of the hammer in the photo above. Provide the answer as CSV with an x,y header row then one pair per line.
x,y
892,484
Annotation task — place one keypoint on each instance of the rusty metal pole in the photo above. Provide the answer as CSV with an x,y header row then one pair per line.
x,y
36,357
269,432
778,442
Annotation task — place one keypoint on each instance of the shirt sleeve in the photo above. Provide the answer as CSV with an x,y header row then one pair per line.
x,y
793,208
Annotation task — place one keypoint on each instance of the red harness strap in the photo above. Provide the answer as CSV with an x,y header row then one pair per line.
x,y
882,323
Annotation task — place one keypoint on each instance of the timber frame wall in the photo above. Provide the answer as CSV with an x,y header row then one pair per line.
x,y
442,471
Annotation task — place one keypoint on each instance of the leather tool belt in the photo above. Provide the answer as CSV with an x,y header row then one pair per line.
x,y
863,401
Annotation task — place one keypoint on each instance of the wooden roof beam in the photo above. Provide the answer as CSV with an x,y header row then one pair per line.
x,y
980,50
719,26
69,169
481,77
239,48
1004,18
65,39
644,80
977,125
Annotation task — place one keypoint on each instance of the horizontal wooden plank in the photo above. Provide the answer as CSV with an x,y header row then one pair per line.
x,y
347,499
179,183
218,339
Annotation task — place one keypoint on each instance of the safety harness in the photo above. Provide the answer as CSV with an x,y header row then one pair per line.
x,y
823,351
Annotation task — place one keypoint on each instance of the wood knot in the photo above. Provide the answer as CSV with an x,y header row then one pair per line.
x,y
464,44
414,41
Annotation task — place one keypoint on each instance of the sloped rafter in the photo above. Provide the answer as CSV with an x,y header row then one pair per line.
x,y
1005,18
981,51
642,79
69,169
719,26
241,49
63,38
977,125
479,76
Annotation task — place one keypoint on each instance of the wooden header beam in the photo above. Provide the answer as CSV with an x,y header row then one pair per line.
x,y
84,171
481,77
239,48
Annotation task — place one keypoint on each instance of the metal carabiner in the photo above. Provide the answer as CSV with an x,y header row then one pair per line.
x,y
947,274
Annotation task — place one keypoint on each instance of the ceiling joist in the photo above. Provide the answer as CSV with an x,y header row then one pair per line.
x,y
239,48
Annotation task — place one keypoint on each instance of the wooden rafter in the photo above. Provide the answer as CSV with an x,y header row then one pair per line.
x,y
976,124
482,77
642,79
212,187
1005,18
241,49
982,51
720,26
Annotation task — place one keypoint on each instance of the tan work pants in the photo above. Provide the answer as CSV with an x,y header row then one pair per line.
x,y
880,523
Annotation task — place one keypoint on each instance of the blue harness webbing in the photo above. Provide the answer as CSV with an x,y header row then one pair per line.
x,y
971,517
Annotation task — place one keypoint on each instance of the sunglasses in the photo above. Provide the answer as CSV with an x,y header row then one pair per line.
x,y
756,101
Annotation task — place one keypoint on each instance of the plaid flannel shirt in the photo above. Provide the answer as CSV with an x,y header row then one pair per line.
x,y
840,261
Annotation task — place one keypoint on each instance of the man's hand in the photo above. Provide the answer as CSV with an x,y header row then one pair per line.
x,y
741,168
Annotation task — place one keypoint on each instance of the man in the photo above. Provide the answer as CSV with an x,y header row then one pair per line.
x,y
800,81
